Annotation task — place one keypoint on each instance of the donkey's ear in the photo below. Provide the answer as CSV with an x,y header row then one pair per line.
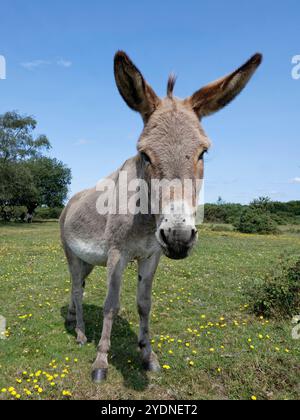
x,y
133,88
218,94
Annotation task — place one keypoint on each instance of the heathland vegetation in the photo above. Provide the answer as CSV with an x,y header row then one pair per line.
x,y
221,325
261,216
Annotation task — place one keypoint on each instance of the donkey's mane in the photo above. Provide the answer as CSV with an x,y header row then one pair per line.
x,y
171,84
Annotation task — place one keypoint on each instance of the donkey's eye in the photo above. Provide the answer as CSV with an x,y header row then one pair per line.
x,y
146,158
201,157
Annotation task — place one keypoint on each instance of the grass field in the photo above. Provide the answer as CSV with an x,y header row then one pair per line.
x,y
206,338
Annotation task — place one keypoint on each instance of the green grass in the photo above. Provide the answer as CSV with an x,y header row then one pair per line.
x,y
199,315
291,229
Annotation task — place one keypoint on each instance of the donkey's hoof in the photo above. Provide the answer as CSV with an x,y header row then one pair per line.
x,y
152,366
81,339
99,375
81,342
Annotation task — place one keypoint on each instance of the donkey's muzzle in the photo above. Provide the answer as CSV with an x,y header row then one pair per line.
x,y
177,242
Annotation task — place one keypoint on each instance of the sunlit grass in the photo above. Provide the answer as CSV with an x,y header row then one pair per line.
x,y
208,343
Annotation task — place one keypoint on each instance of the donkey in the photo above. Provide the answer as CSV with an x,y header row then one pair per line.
x,y
171,146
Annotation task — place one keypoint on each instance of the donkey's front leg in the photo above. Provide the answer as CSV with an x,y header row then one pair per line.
x,y
147,269
116,265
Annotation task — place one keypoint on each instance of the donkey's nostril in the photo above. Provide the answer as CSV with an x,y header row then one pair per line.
x,y
194,234
163,237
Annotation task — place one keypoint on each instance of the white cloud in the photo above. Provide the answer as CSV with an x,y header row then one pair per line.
x,y
82,142
64,63
295,180
31,65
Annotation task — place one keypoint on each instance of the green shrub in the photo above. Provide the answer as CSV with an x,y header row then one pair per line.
x,y
13,213
221,228
254,220
46,213
281,213
279,220
19,213
278,294
222,213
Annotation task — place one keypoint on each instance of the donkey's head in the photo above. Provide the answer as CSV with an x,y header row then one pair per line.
x,y
173,144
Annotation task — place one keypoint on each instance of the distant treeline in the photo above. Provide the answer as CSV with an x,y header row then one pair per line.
x,y
225,213
280,213
20,213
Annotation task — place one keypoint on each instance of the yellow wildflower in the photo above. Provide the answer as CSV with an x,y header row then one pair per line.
x,y
66,393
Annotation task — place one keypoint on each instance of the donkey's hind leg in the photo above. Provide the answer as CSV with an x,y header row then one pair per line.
x,y
79,271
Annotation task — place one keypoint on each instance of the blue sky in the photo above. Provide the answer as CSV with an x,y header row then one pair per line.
x,y
59,69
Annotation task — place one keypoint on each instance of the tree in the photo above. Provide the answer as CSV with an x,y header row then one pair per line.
x,y
16,138
16,188
51,179
220,201
262,203
27,177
